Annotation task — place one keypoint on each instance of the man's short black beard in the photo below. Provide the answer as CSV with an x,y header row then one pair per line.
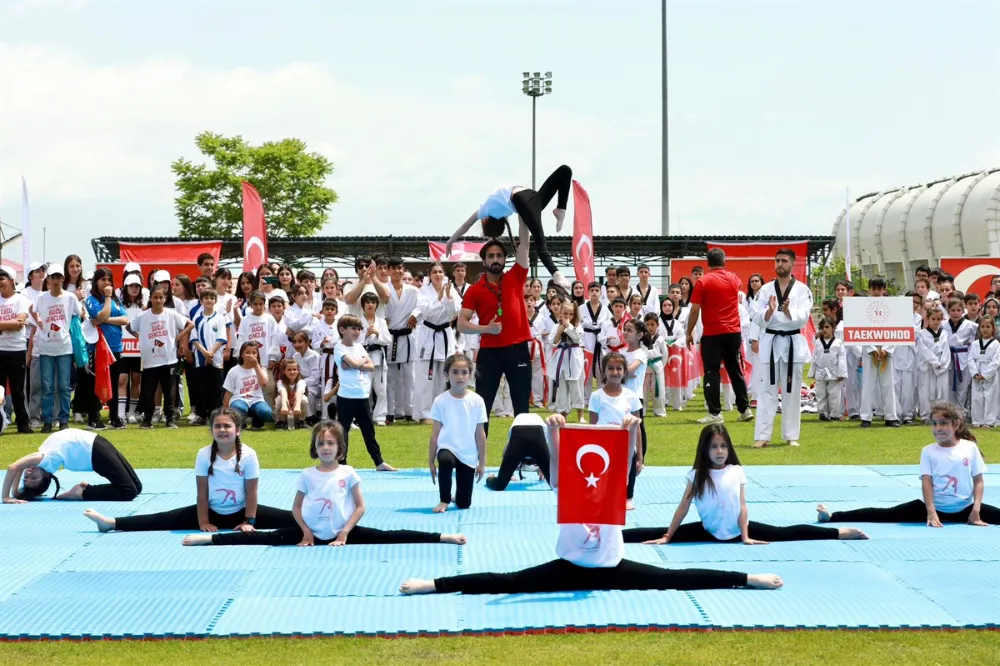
x,y
499,268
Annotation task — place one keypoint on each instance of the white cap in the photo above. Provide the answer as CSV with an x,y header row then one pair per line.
x,y
90,332
35,265
161,276
132,267
10,272
54,269
133,279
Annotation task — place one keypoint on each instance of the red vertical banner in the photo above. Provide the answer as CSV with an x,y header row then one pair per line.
x,y
254,229
583,235
593,475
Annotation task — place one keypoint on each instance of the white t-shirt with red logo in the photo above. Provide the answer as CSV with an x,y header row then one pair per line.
x,y
244,385
226,491
328,502
55,313
157,335
10,309
951,469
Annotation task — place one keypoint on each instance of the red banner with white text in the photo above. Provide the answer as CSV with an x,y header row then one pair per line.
x,y
175,252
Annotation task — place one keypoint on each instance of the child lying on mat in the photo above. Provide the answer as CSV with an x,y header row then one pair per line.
x,y
328,506
717,486
951,475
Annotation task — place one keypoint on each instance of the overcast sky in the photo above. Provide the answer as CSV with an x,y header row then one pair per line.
x,y
775,107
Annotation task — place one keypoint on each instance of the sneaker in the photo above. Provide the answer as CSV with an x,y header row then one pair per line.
x,y
280,425
146,424
97,425
46,428
63,426
891,424
78,418
132,419
118,424
824,417
866,424
192,417
746,416
24,430
197,421
35,423
711,419
171,424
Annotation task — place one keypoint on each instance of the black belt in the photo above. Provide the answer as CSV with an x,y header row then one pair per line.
x,y
791,352
437,328
374,347
396,334
595,365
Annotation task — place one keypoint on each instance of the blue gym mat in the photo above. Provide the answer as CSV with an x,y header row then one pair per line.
x,y
61,578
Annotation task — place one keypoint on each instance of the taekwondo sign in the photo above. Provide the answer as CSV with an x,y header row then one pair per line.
x,y
884,320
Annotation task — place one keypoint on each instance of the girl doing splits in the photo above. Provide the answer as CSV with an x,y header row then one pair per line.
x,y
528,204
591,557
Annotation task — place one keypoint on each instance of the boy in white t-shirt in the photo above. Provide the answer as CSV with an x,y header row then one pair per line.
x,y
52,312
458,435
353,397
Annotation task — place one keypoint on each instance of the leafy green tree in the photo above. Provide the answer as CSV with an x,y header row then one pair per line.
x,y
291,183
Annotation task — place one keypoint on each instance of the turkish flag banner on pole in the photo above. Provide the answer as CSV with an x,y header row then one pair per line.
x,y
254,229
593,475
583,236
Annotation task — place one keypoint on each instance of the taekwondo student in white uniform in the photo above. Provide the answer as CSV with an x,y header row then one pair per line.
x,y
438,304
829,369
984,359
783,350
401,318
905,368
961,335
933,364
592,318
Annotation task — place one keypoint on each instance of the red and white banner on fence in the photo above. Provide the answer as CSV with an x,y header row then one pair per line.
x,y
460,251
174,252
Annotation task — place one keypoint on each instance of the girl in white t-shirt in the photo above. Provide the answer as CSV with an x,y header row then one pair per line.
x,y
226,474
52,312
159,329
244,387
716,484
951,481
75,451
292,403
637,342
328,506
458,436
590,557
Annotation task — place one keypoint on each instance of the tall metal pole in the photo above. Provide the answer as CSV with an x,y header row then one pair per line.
x,y
533,100
665,185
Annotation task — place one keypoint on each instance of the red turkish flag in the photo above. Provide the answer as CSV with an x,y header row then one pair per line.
x,y
593,475
254,229
583,236
103,360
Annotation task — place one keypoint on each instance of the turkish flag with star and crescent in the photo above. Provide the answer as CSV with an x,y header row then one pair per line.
x,y
593,475
254,229
583,236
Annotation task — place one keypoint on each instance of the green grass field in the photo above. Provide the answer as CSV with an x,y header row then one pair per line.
x,y
671,442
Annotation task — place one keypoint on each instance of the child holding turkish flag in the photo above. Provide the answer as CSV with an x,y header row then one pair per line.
x,y
590,556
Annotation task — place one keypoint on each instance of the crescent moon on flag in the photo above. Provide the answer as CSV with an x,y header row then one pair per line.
x,y
670,359
968,277
254,240
596,450
584,239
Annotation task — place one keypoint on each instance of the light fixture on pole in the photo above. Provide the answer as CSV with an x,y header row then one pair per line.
x,y
534,85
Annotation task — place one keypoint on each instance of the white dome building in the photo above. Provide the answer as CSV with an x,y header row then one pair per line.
x,y
894,231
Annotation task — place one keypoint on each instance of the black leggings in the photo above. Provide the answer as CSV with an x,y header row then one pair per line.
x,y
123,483
351,410
564,576
151,378
529,205
465,479
186,518
633,469
913,512
526,442
696,533
291,536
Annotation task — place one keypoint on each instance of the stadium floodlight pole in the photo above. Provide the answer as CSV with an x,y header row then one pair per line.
x,y
534,85
665,184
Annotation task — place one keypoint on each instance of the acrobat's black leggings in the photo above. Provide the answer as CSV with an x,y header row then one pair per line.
x,y
186,518
291,536
529,205
526,441
564,576
123,483
913,512
696,533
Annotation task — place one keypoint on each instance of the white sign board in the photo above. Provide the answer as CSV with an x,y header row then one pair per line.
x,y
883,320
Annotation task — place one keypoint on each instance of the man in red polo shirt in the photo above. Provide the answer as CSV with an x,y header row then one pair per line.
x,y
497,298
716,296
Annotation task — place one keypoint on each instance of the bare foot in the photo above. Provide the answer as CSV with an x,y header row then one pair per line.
x,y
385,467
822,514
759,444
457,539
417,586
441,507
852,534
629,505
197,540
104,523
74,493
764,581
